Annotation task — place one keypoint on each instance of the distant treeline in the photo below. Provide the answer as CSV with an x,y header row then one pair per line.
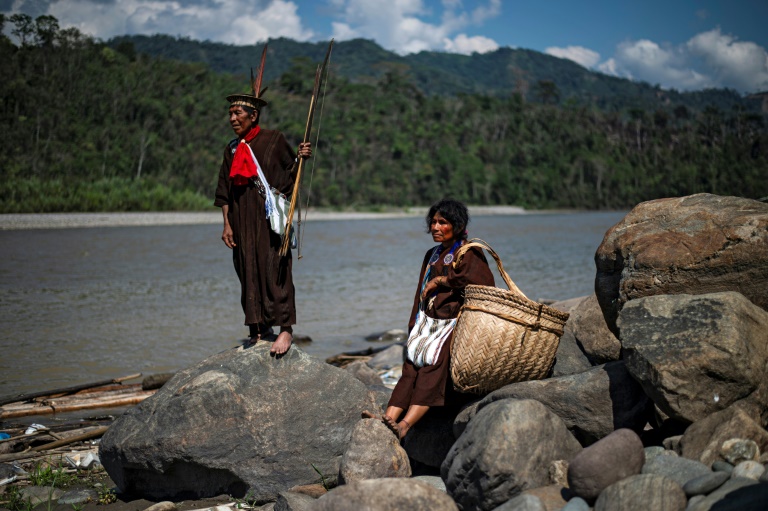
x,y
89,127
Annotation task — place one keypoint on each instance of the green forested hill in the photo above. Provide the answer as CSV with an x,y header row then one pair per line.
x,y
537,76
87,126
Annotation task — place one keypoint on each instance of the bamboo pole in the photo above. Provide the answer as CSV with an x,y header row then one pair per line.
x,y
71,440
54,407
65,390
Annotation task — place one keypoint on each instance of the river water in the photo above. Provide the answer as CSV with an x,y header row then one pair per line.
x,y
85,304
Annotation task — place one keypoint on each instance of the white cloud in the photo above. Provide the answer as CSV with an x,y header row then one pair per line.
x,y
578,54
233,21
468,45
743,65
400,25
709,59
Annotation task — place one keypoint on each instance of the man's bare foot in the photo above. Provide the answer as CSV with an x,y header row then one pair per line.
x,y
391,424
402,429
282,344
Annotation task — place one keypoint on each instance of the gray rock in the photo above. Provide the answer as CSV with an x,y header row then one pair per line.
x,y
735,495
694,501
78,496
384,495
641,493
569,357
722,466
569,304
293,501
705,484
695,245
239,422
653,451
704,438
611,459
748,470
592,404
373,452
388,358
673,443
695,354
41,494
430,439
463,418
764,477
522,503
364,373
552,496
736,450
433,481
505,450
763,458
576,504
592,333
680,470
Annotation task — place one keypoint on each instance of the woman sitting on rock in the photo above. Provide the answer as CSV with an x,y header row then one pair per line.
x,y
425,381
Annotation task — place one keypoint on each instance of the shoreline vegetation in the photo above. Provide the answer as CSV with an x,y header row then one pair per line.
x,y
23,221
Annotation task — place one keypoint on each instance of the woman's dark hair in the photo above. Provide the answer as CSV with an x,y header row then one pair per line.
x,y
455,212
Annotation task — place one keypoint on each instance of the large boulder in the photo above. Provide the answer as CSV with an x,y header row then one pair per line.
x,y
592,404
642,492
695,245
704,439
240,422
384,495
695,354
373,453
569,357
506,449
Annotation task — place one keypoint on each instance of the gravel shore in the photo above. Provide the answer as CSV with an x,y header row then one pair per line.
x,y
69,220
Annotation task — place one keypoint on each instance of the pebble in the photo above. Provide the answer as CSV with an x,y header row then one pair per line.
x,y
433,481
680,470
748,469
722,466
673,443
576,504
80,496
162,506
653,451
737,450
522,503
705,484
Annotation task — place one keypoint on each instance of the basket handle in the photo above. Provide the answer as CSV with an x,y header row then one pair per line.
x,y
477,242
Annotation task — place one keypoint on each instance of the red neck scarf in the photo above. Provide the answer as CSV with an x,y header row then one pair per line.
x,y
243,168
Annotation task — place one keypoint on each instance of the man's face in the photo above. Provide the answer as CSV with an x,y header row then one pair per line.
x,y
241,120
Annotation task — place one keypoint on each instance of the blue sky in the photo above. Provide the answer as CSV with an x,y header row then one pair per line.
x,y
682,44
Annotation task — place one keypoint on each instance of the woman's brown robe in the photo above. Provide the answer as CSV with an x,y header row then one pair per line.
x,y
266,280
431,385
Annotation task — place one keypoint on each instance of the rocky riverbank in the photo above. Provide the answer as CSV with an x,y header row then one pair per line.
x,y
658,399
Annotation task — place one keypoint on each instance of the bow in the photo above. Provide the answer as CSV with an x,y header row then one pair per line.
x,y
307,130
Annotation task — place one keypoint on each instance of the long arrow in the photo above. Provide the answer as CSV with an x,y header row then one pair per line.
x,y
307,130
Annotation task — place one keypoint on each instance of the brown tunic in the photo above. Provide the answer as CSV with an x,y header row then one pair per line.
x,y
431,385
266,280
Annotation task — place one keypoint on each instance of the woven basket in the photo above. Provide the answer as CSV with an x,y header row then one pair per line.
x,y
502,337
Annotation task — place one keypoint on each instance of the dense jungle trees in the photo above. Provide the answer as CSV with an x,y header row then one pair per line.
x,y
90,127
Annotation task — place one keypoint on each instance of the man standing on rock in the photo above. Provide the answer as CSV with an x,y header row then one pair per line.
x,y
266,280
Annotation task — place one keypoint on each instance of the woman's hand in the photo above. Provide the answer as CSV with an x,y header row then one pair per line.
x,y
228,236
305,150
432,286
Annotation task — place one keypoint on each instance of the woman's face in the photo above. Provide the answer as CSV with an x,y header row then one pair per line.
x,y
442,230
241,120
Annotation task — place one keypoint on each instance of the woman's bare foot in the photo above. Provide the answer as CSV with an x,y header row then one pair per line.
x,y
254,340
282,344
369,415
